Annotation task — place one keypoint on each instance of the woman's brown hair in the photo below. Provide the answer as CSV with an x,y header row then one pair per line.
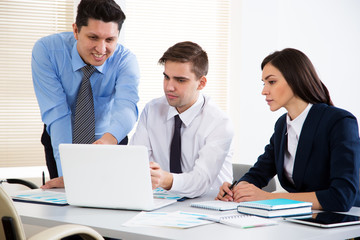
x,y
300,74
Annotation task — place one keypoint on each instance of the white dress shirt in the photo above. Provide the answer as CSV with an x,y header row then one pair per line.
x,y
293,133
206,136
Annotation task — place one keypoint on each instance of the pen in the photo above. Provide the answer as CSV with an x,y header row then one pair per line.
x,y
43,178
231,187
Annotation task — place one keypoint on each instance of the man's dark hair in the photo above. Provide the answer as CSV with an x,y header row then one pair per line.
x,y
188,52
104,10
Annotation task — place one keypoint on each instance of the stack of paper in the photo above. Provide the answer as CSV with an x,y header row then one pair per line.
x,y
176,219
275,208
181,219
241,220
163,194
41,196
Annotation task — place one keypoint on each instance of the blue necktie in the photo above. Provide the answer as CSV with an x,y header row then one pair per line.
x,y
175,149
84,123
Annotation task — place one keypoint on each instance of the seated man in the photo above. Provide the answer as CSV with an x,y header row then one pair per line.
x,y
187,135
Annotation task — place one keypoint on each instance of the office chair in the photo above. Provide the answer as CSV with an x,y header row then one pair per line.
x,y
239,170
11,227
19,181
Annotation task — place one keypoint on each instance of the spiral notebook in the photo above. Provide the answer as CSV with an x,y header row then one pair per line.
x,y
216,205
241,220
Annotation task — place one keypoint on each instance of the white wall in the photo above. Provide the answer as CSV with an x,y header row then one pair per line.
x,y
327,31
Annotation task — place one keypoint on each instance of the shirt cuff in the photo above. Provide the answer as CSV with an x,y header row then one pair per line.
x,y
178,184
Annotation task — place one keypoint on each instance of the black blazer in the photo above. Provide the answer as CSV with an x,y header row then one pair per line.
x,y
327,158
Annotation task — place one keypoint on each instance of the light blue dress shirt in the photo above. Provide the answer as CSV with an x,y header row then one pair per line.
x,y
56,71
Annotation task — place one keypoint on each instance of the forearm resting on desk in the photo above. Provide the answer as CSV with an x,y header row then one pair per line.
x,y
245,191
54,183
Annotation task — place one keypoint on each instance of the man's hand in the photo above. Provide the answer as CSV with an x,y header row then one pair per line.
x,y
159,177
107,138
54,183
225,189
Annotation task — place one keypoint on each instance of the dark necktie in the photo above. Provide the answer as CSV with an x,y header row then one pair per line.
x,y
84,123
175,150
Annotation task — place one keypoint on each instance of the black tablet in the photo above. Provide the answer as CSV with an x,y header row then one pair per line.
x,y
328,220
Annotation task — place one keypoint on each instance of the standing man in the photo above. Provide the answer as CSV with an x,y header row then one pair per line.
x,y
187,135
86,83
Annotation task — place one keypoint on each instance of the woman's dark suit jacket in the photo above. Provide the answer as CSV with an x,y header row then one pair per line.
x,y
327,158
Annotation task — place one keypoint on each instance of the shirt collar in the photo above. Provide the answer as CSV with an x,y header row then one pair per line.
x,y
187,116
78,63
298,122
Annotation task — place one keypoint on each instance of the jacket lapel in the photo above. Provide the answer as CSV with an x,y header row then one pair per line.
x,y
281,153
305,143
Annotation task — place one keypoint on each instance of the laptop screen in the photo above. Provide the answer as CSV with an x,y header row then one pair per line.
x,y
107,176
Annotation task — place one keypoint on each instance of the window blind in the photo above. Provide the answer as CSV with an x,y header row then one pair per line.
x,y
21,24
151,27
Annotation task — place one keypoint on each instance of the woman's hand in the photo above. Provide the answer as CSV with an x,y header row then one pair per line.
x,y
245,191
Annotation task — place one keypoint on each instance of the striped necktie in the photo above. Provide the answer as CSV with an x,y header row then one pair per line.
x,y
84,123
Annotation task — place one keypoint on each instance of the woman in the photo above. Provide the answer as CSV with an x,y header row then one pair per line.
x,y
315,149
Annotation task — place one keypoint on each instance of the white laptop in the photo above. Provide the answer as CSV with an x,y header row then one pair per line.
x,y
108,176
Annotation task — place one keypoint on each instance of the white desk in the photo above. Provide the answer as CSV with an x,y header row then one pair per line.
x,y
109,223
